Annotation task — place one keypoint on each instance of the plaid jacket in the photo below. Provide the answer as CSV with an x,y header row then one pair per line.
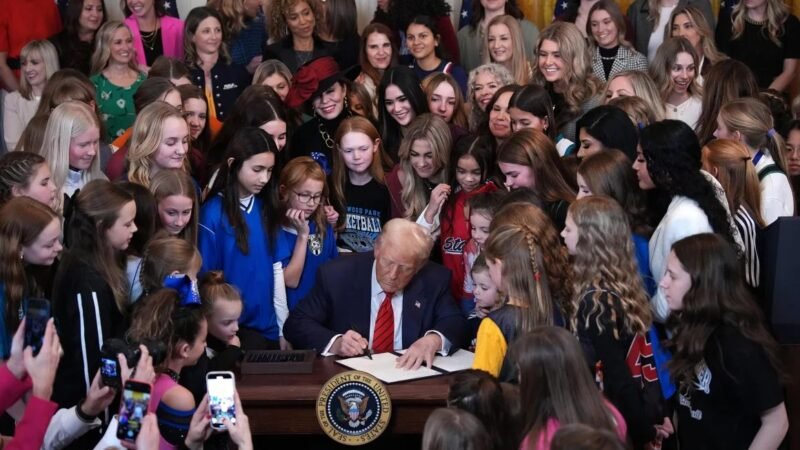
x,y
627,59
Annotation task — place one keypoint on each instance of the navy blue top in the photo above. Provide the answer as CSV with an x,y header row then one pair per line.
x,y
452,69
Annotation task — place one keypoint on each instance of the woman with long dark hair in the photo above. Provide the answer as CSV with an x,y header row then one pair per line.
x,y
76,41
400,101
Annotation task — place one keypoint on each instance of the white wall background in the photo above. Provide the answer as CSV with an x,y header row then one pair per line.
x,y
365,9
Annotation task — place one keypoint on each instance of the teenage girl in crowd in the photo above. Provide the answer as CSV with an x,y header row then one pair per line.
x,y
725,362
483,82
609,173
166,256
422,172
238,235
611,53
531,107
30,236
454,429
670,161
303,196
505,46
613,314
513,252
206,55
145,221
446,101
321,89
70,146
176,203
398,14
553,379
481,208
634,83
179,305
530,160
116,77
273,73
688,22
160,141
637,109
563,65
793,158
39,63
605,128
378,52
358,185
172,69
195,111
90,289
223,306
674,71
726,81
729,162
750,122
400,101
25,174
764,35
469,166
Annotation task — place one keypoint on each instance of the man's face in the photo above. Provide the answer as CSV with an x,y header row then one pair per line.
x,y
395,267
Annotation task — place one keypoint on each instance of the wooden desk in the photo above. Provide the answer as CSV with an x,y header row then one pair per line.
x,y
286,404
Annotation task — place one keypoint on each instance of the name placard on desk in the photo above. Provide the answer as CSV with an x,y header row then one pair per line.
x,y
384,366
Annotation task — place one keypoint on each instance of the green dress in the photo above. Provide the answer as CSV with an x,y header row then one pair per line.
x,y
116,104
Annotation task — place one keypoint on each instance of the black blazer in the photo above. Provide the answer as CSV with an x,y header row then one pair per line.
x,y
283,51
229,81
340,300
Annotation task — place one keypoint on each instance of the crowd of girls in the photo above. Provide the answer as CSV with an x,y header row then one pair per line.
x,y
598,189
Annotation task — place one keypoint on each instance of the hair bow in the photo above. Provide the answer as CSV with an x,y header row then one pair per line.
x,y
188,293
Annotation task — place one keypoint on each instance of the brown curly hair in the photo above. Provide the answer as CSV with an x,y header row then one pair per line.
x,y
278,29
535,270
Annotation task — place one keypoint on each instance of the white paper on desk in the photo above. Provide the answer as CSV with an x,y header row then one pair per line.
x,y
458,361
382,366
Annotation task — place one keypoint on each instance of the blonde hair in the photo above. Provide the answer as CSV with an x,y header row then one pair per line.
x,y
579,82
736,174
146,138
295,173
777,12
605,262
753,120
171,182
700,23
432,81
644,88
68,120
662,64
520,66
49,56
102,46
270,67
535,267
232,13
636,108
433,129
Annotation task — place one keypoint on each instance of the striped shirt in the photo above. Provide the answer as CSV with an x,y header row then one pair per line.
x,y
748,229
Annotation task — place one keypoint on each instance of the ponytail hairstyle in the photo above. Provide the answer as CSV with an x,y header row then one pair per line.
x,y
777,12
295,173
605,262
22,220
213,287
520,67
148,131
434,130
667,54
160,317
535,270
729,162
96,208
753,120
718,296
17,169
167,183
431,82
554,382
164,256
609,173
535,100
339,177
246,143
68,120
534,149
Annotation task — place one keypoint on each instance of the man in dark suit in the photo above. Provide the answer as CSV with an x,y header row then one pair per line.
x,y
347,311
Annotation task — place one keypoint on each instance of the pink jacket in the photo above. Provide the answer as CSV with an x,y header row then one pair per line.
x,y
171,38
30,431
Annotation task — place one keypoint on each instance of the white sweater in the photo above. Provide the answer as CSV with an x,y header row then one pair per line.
x,y
776,193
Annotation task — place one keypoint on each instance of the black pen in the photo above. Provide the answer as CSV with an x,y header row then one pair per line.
x,y
367,351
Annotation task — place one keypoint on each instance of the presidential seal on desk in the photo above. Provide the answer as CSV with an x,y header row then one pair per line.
x,y
353,408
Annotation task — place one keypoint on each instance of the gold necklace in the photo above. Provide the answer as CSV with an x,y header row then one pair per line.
x,y
149,38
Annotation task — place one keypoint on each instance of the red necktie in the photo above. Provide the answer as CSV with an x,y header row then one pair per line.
x,y
383,336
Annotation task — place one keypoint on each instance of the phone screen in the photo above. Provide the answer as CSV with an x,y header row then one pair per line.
x,y
221,389
132,411
109,371
37,313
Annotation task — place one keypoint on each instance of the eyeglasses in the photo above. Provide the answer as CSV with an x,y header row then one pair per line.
x,y
308,199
